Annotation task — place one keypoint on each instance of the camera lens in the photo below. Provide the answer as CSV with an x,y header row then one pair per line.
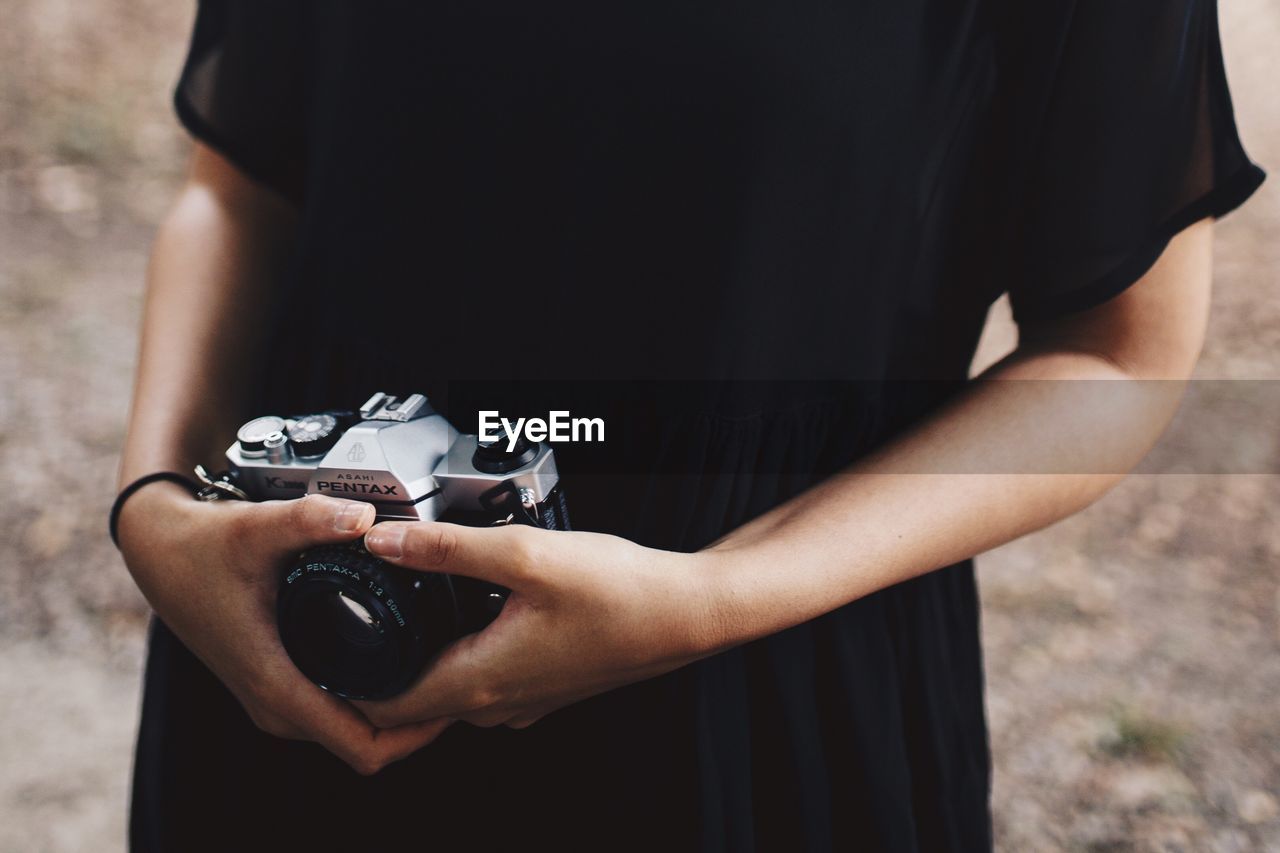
x,y
359,627
363,630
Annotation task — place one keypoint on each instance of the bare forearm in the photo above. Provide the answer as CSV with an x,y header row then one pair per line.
x,y
1037,438
210,276
1019,450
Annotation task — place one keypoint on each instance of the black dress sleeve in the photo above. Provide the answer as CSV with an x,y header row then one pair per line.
x,y
242,88
1138,141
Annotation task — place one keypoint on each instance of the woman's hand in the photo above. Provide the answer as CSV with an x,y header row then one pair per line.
x,y
211,571
587,613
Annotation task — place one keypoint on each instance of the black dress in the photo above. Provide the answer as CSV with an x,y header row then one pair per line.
x,y
759,239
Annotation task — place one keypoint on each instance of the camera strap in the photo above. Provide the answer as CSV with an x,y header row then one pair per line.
x,y
218,487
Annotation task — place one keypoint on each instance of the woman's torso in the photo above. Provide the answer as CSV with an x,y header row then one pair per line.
x,y
752,238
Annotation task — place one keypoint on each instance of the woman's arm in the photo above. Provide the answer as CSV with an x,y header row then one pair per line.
x,y
210,284
211,570
1039,437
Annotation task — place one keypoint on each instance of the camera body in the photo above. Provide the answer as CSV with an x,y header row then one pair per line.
x,y
352,623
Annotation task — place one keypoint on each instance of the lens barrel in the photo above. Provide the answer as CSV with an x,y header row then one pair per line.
x,y
360,627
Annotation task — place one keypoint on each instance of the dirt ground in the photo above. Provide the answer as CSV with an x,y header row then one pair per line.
x,y
1133,652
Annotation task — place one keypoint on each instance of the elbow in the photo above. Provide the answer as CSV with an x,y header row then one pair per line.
x,y
1156,328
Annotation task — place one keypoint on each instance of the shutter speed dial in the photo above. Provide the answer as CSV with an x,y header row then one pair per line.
x,y
313,435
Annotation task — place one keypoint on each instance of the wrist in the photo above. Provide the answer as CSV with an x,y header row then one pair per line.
x,y
721,610
162,501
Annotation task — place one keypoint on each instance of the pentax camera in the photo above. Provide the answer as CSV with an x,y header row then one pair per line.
x,y
356,625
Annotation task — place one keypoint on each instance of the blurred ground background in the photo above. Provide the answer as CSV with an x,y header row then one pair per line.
x,y
1133,652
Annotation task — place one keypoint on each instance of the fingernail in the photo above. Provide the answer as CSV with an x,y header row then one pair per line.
x,y
351,517
386,540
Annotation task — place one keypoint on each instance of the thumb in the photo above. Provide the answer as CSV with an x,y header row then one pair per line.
x,y
502,555
286,527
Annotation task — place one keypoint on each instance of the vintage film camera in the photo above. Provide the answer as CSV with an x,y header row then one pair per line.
x,y
356,625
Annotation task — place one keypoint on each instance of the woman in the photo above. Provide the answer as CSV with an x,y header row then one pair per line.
x,y
761,243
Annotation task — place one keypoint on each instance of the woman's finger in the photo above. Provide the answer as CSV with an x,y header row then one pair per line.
x,y
339,728
502,555
455,685
523,722
287,527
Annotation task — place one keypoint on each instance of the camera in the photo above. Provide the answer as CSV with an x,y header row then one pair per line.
x,y
354,624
